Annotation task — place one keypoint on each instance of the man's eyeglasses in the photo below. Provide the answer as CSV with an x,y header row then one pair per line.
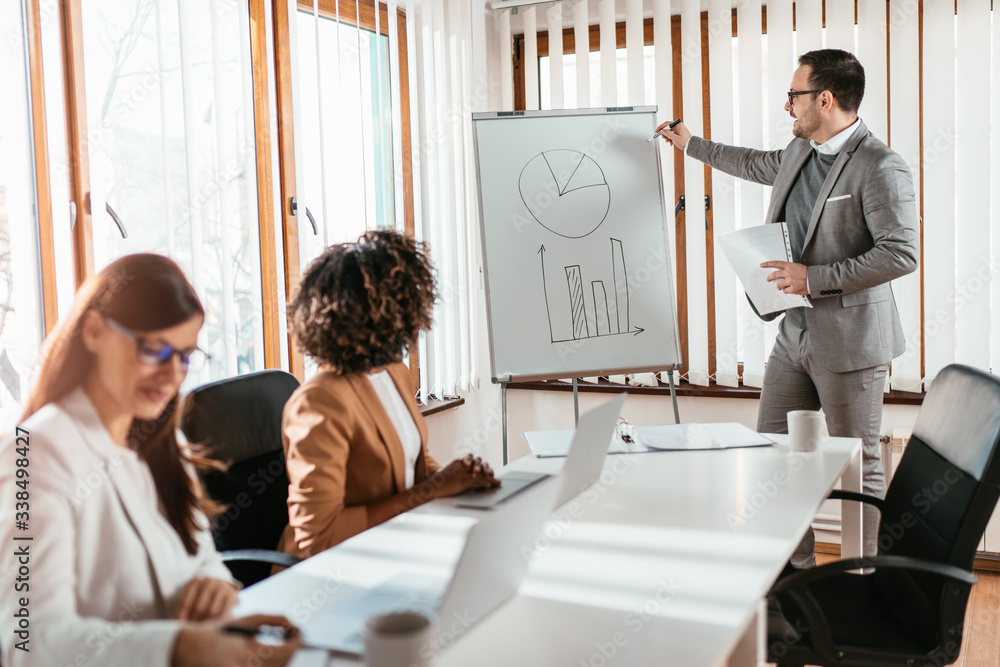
x,y
151,353
793,93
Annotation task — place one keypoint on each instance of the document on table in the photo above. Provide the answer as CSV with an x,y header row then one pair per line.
x,y
746,249
669,437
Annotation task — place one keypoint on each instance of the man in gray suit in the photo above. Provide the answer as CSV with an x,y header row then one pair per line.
x,y
852,222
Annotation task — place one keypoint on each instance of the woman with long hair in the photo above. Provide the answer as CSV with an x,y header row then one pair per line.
x,y
355,441
117,565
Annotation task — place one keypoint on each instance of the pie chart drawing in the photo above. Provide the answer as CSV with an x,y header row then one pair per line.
x,y
566,192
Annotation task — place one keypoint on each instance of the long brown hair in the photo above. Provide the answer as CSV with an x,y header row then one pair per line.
x,y
143,292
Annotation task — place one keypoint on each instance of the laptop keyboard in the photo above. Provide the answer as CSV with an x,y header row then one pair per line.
x,y
341,625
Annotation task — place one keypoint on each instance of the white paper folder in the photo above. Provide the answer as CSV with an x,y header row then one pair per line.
x,y
746,249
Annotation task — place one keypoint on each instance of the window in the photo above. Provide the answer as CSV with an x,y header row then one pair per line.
x,y
347,114
21,327
352,115
170,133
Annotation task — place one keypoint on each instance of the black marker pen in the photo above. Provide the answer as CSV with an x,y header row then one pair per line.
x,y
670,127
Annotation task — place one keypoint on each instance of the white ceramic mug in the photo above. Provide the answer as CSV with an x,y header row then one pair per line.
x,y
806,429
398,639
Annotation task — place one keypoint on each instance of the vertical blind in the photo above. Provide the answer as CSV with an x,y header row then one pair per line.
x,y
755,108
450,84
904,121
720,69
939,201
950,310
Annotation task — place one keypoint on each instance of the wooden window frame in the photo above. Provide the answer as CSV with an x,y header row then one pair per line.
x,y
42,177
265,191
77,158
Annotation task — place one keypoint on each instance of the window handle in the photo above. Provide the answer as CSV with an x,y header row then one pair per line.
x,y
294,207
313,221
118,221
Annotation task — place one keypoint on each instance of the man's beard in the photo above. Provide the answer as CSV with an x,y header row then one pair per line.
x,y
803,128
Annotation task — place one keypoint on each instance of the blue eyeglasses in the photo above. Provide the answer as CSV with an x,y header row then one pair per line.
x,y
154,353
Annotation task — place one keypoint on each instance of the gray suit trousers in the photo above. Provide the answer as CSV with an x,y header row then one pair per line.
x,y
852,402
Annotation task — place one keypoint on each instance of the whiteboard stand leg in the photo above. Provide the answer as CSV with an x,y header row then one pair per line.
x,y
673,396
576,403
503,410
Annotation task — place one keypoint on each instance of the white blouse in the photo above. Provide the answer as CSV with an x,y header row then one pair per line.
x,y
402,420
106,567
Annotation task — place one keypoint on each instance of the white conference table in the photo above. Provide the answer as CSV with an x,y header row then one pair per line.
x,y
666,560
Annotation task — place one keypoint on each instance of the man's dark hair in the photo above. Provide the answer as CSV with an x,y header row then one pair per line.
x,y
840,73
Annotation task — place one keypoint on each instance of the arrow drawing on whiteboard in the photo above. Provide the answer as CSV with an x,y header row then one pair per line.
x,y
602,316
545,292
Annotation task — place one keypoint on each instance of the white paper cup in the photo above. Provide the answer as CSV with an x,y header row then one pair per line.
x,y
806,429
399,639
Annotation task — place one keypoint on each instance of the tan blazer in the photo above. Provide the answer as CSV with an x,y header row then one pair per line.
x,y
343,453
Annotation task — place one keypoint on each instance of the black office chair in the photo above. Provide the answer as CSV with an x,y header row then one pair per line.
x,y
238,422
908,606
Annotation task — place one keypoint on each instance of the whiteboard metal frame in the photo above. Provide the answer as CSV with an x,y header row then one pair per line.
x,y
493,115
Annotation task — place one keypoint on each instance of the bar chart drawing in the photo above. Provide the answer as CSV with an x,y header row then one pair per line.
x,y
601,311
605,314
577,307
621,284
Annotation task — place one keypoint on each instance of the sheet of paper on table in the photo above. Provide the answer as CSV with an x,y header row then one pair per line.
x,y
668,437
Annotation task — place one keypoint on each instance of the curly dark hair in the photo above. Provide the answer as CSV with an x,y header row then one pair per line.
x,y
361,305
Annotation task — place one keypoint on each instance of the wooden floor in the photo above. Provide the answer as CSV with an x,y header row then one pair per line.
x,y
981,639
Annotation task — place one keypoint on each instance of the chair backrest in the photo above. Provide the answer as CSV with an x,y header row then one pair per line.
x,y
943,492
238,422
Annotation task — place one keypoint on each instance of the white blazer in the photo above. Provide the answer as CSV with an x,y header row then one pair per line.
x,y
104,566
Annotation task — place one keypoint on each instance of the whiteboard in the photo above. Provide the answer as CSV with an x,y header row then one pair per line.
x,y
578,272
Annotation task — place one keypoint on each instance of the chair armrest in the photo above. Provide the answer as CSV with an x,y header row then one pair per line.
x,y
840,494
809,575
260,556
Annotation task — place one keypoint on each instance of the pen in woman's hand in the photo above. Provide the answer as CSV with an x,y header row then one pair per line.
x,y
268,633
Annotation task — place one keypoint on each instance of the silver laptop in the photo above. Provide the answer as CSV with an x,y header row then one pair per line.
x,y
581,469
488,572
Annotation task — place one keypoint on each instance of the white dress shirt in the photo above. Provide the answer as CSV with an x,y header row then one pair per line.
x,y
833,145
401,418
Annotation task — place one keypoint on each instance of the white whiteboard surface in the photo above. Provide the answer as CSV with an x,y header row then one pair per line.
x,y
578,272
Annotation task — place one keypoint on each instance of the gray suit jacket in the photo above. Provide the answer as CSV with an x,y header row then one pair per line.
x,y
862,234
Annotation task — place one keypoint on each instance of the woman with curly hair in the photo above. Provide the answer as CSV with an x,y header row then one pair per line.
x,y
354,438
